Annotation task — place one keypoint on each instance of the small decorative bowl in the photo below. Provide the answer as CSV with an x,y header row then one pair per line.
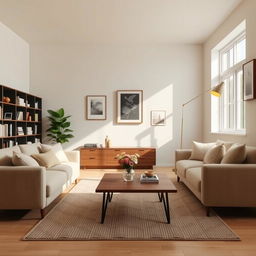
x,y
149,173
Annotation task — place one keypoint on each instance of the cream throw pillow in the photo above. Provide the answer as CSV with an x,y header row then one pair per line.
x,y
199,150
47,159
20,159
214,155
235,155
57,149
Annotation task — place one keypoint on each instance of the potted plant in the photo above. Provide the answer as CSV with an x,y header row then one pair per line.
x,y
59,130
128,162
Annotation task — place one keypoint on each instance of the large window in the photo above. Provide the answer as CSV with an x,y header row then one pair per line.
x,y
228,113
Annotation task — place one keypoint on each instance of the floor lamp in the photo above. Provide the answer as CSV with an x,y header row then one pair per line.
x,y
215,91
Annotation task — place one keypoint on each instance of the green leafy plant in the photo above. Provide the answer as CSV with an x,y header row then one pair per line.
x,y
59,130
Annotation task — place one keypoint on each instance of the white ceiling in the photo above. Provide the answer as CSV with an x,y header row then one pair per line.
x,y
115,21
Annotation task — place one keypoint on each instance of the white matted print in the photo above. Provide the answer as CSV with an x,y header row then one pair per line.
x,y
249,74
158,117
96,107
129,106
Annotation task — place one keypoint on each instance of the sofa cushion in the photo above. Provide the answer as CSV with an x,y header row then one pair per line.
x,y
57,149
55,181
235,155
20,159
193,176
250,155
199,150
6,155
47,159
227,144
71,169
30,149
183,165
214,155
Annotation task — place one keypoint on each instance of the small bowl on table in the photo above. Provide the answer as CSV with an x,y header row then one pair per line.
x,y
149,173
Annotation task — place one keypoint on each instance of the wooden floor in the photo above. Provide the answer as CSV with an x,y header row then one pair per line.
x,y
242,221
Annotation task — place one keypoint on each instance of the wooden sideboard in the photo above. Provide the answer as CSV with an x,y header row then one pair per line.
x,y
105,158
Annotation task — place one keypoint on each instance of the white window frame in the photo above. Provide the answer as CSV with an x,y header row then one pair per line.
x,y
223,75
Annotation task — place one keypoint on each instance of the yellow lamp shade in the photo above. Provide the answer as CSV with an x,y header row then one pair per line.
x,y
217,90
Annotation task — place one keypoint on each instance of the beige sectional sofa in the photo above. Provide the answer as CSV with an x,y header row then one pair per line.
x,y
25,187
219,185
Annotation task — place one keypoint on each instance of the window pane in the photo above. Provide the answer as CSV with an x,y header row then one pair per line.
x,y
224,62
240,51
240,103
231,57
231,103
226,105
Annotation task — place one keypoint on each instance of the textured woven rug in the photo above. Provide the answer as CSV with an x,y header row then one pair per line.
x,y
129,217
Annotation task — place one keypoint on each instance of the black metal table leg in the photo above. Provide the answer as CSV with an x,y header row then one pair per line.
x,y
160,196
165,201
105,201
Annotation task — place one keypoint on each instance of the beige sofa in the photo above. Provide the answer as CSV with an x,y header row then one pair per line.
x,y
219,185
23,187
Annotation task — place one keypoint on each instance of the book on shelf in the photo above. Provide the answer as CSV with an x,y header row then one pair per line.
x,y
36,129
20,101
149,179
1,113
19,116
20,130
37,140
36,104
36,117
8,143
29,131
6,130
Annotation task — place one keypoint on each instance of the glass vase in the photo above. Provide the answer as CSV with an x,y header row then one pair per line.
x,y
128,175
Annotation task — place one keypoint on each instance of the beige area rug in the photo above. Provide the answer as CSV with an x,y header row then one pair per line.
x,y
129,217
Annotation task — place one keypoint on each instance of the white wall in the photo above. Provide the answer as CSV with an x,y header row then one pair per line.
x,y
169,75
14,60
246,10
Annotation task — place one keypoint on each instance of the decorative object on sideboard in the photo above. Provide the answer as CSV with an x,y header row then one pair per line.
x,y
59,130
249,77
158,117
96,107
107,142
128,162
129,106
215,91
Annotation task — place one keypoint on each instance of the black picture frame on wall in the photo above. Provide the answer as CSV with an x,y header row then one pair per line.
x,y
249,80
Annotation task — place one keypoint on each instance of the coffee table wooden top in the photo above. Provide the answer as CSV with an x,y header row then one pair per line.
x,y
112,182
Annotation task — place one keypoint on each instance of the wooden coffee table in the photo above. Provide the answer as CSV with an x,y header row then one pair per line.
x,y
111,183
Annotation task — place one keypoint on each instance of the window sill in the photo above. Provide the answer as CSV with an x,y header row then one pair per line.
x,y
234,133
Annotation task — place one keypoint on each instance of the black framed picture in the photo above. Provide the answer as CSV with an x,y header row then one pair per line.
x,y
8,115
129,107
249,76
96,107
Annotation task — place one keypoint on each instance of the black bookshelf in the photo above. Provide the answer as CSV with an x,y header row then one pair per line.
x,y
20,117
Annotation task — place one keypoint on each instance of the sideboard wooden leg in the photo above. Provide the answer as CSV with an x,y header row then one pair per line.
x,y
208,210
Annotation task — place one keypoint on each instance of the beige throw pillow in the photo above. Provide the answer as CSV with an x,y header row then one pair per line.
x,y
214,155
20,159
199,150
57,149
47,159
235,155
30,149
227,144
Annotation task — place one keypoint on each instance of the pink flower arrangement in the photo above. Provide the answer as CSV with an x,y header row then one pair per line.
x,y
128,161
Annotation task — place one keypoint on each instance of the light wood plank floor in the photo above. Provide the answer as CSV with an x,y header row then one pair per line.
x,y
242,221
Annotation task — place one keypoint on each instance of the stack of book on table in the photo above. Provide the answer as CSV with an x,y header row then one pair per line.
x,y
149,179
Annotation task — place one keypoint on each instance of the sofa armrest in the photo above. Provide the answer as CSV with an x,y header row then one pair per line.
x,y
182,154
73,156
22,187
228,185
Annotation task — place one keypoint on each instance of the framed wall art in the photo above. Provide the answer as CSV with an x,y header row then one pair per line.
x,y
249,77
158,117
96,107
129,106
